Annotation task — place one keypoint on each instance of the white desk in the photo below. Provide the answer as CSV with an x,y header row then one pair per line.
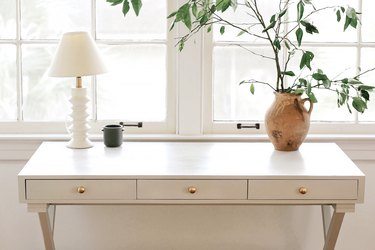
x,y
191,173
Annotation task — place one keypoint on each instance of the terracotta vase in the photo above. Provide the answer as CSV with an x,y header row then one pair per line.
x,y
287,121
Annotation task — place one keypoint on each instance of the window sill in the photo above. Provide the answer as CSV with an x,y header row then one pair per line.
x,y
174,137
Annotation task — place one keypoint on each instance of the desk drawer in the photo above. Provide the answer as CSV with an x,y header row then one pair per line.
x,y
80,189
192,189
303,189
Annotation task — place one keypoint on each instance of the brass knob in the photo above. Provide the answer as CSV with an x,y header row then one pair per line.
x,y
81,190
192,190
302,190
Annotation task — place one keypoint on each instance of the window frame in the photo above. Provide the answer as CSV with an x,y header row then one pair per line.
x,y
20,126
230,127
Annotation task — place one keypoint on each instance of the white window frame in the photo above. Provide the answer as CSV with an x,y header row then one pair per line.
x,y
212,127
189,96
30,127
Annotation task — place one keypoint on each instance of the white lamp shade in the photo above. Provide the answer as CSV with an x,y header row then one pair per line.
x,y
77,55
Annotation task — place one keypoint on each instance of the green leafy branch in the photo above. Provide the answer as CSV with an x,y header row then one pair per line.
x,y
136,5
349,90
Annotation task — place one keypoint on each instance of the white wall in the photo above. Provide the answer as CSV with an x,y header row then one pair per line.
x,y
177,227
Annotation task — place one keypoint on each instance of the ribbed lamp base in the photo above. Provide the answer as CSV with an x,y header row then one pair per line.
x,y
79,127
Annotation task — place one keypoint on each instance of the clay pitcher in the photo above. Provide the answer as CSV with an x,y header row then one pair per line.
x,y
287,121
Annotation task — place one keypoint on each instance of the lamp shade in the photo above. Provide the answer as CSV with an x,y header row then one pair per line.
x,y
77,55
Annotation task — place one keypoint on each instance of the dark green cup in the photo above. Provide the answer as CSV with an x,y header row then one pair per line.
x,y
112,135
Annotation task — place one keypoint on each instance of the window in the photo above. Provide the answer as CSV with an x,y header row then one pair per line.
x,y
192,92
235,58
138,51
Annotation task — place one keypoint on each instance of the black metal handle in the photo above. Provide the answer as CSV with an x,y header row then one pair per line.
x,y
138,124
241,126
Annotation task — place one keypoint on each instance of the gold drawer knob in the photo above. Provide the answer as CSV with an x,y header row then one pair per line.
x,y
302,190
81,190
192,190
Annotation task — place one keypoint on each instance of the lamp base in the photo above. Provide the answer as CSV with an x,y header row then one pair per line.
x,y
80,143
79,127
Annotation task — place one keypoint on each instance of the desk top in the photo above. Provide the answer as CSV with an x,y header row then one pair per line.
x,y
198,160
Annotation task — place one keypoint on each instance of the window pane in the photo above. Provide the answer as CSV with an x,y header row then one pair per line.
x,y
368,21
368,62
135,89
234,102
8,87
150,24
48,19
44,98
7,19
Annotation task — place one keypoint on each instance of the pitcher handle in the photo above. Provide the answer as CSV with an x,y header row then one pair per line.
x,y
311,104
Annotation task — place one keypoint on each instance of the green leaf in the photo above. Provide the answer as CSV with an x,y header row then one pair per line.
x,y
343,98
282,13
137,5
273,18
300,10
288,73
223,5
298,91
354,22
125,7
327,83
306,59
299,35
194,10
181,45
308,90
366,87
172,25
183,14
319,76
277,44
359,104
338,15
312,97
365,95
172,14
114,2
241,33
309,27
286,43
209,28
272,24
354,81
348,20
342,9
252,88
303,82
222,30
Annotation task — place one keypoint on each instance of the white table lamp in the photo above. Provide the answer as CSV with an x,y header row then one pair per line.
x,y
77,56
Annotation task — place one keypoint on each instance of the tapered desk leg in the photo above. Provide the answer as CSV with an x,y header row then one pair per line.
x,y
332,224
47,220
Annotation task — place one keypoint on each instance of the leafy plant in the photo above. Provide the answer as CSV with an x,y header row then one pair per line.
x,y
199,15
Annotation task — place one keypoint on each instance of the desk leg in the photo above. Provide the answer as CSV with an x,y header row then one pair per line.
x,y
47,220
332,224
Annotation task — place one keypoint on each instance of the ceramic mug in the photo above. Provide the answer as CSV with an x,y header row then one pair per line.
x,y
112,135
